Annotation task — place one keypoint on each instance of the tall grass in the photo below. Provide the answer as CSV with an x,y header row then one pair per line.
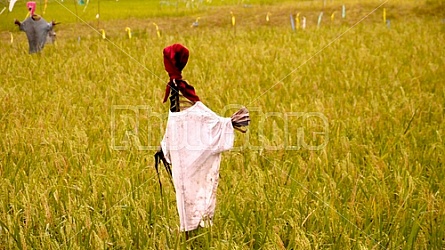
x,y
75,174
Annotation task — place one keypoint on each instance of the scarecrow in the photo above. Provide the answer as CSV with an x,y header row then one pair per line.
x,y
193,142
37,30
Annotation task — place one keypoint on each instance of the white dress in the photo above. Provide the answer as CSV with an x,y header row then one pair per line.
x,y
193,143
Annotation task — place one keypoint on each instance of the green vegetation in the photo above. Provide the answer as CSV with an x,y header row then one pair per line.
x,y
75,173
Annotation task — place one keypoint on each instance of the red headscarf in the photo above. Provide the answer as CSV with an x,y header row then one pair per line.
x,y
175,59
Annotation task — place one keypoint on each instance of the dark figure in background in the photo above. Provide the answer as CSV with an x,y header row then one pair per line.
x,y
38,32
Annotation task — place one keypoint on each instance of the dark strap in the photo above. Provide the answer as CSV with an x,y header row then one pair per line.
x,y
159,156
174,97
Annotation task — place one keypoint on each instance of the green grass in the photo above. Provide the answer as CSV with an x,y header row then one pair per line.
x,y
70,180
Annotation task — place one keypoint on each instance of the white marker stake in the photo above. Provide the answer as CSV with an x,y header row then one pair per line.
x,y
319,19
11,5
292,23
303,23
343,11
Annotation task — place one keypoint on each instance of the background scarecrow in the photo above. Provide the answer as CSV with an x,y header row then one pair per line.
x,y
193,142
37,30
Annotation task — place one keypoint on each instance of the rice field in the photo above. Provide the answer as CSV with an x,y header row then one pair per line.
x,y
345,149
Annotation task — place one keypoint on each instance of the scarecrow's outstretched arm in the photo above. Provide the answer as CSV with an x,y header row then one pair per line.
x,y
241,119
18,23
